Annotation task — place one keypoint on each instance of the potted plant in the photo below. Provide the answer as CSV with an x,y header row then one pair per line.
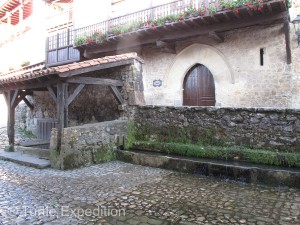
x,y
80,41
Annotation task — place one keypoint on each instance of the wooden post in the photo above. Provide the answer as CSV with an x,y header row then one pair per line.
x,y
66,108
9,97
62,111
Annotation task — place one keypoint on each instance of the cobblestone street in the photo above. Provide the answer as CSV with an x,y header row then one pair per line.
x,y
121,193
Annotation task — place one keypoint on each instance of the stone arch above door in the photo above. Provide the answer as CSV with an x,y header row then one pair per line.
x,y
206,55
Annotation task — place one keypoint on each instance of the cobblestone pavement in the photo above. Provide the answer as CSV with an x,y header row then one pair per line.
x,y
121,193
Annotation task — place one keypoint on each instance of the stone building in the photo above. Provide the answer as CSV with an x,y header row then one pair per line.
x,y
187,53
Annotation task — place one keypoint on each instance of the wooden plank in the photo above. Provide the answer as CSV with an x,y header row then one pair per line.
x,y
28,103
51,93
92,80
117,94
75,93
96,67
287,42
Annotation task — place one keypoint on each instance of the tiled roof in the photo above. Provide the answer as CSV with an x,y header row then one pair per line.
x,y
26,75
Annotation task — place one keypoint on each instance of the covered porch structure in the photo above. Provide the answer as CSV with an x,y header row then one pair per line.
x,y
65,83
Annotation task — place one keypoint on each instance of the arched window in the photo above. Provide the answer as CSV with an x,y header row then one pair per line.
x,y
199,87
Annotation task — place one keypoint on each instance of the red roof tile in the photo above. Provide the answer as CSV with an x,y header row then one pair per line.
x,y
24,75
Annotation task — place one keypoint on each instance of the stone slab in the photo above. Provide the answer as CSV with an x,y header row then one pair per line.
x,y
25,159
39,152
242,172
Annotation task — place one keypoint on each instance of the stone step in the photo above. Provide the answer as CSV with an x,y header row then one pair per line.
x,y
39,152
25,159
237,171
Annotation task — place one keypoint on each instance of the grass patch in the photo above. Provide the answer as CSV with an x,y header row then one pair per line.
x,y
266,157
26,133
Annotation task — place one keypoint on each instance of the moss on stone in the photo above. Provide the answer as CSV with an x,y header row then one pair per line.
x,y
68,161
224,153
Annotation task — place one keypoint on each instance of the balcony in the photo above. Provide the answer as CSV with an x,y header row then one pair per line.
x,y
177,20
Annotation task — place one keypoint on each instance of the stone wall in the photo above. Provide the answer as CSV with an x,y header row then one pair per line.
x,y
20,116
87,144
266,128
240,80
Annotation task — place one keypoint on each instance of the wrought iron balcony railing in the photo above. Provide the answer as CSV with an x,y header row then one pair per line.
x,y
203,11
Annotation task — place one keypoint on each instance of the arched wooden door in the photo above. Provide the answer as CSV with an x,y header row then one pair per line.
x,y
199,87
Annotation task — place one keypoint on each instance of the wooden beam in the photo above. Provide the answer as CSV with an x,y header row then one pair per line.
x,y
217,37
19,86
96,67
287,42
166,47
28,103
205,29
98,81
21,95
117,94
75,93
51,93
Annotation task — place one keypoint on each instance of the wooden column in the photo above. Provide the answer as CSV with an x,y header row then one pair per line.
x,y
10,98
62,111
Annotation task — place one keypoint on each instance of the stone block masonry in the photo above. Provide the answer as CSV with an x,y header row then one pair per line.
x,y
87,144
263,128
